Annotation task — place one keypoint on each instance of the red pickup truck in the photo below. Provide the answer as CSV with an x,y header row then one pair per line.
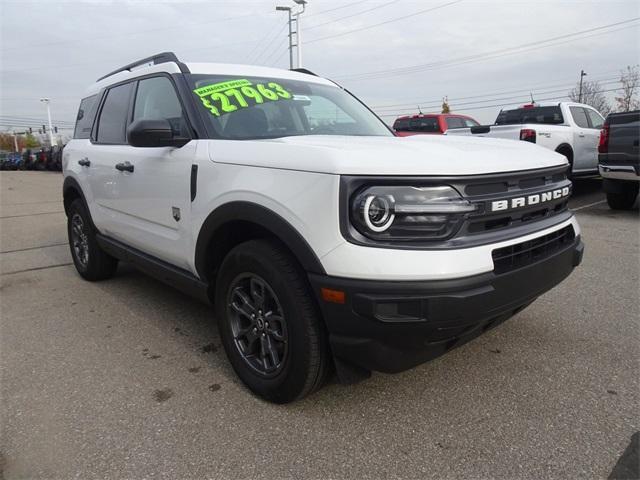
x,y
431,123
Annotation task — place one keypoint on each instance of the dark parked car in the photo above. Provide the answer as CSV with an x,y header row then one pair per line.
x,y
431,123
619,158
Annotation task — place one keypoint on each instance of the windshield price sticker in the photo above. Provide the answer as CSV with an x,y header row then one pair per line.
x,y
229,96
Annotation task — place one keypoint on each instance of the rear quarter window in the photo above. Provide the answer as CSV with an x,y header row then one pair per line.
x,y
84,119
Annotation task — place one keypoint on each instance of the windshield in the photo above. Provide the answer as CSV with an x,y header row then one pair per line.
x,y
544,115
244,108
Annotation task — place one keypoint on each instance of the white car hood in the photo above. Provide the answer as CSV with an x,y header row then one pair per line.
x,y
414,155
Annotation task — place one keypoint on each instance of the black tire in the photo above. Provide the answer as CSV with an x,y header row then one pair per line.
x,y
568,153
97,264
304,354
621,201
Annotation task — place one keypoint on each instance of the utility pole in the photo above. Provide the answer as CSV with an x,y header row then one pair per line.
x,y
15,140
288,10
294,17
299,30
47,101
582,74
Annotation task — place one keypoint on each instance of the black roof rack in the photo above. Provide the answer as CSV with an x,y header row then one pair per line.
x,y
303,70
163,57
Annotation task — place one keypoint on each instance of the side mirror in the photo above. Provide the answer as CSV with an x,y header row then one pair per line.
x,y
153,133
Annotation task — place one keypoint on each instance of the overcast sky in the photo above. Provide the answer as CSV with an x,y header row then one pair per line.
x,y
395,55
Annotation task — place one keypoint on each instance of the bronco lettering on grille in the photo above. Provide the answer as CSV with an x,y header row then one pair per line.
x,y
528,200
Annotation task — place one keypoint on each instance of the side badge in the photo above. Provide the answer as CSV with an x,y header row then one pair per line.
x,y
176,213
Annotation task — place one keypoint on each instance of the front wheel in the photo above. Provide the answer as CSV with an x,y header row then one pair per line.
x,y
269,324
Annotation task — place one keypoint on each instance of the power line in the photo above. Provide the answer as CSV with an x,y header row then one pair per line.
x,y
350,16
336,8
29,119
100,37
275,51
544,85
522,99
275,62
543,92
264,44
454,63
494,54
112,59
419,12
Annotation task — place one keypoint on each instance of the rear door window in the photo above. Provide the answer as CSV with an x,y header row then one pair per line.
x,y
112,122
579,116
455,122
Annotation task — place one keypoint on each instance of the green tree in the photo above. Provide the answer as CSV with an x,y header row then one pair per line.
x,y
30,141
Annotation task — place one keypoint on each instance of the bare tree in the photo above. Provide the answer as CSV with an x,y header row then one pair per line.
x,y
630,81
445,105
591,95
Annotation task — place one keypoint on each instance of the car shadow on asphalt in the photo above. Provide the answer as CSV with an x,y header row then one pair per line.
x,y
187,320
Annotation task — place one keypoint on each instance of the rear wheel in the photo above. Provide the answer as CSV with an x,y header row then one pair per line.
x,y
624,198
269,324
568,153
91,262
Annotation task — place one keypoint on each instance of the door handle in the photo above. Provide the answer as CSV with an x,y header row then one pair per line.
x,y
581,135
124,167
84,162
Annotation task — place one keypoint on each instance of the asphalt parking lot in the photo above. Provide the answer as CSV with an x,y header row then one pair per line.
x,y
127,378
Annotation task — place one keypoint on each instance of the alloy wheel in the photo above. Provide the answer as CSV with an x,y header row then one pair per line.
x,y
258,324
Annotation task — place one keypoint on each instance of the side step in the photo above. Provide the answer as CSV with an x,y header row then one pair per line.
x,y
156,268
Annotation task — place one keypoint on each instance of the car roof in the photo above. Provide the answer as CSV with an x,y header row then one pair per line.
x,y
231,69
432,115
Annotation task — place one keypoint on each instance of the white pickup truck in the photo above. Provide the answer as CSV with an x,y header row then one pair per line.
x,y
572,129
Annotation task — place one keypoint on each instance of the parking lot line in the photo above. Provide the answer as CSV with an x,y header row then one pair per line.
x,y
34,248
588,205
37,268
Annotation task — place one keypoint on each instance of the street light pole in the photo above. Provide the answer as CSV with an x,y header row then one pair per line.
x,y
299,31
47,101
288,10
298,44
582,74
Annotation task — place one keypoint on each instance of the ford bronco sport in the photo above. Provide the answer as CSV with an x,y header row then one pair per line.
x,y
323,241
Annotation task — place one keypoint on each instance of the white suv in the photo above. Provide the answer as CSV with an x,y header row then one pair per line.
x,y
322,240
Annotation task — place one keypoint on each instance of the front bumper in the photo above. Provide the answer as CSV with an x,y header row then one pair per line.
x,y
391,326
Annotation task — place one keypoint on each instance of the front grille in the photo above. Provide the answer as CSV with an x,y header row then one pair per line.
x,y
520,255
520,184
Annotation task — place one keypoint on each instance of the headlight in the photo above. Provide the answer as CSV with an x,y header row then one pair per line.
x,y
405,213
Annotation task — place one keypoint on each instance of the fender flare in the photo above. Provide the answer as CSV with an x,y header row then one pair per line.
x,y
564,146
262,217
71,183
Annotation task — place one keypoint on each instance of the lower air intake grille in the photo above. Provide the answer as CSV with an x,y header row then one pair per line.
x,y
522,254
